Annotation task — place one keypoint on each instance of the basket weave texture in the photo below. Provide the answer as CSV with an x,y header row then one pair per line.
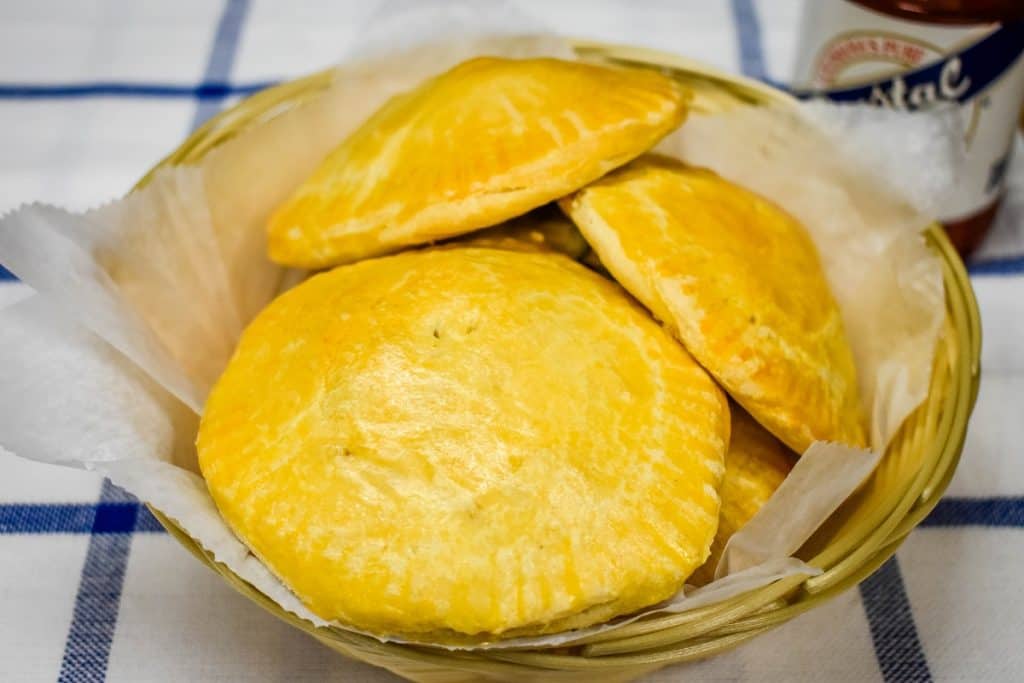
x,y
859,537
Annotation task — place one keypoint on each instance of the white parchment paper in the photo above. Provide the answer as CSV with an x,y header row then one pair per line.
x,y
139,303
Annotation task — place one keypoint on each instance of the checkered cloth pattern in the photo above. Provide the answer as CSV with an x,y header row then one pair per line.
x,y
92,94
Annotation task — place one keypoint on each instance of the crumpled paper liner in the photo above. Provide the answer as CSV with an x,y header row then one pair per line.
x,y
139,303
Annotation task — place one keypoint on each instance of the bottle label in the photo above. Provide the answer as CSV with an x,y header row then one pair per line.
x,y
851,54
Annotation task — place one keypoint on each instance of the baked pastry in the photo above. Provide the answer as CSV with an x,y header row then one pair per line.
x,y
466,442
739,282
546,229
486,141
755,466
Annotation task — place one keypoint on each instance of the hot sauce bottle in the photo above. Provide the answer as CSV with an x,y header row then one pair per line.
x,y
914,54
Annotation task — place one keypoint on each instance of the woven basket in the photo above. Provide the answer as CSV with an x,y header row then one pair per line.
x,y
858,538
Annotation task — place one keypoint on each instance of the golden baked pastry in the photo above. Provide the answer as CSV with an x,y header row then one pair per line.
x,y
546,229
466,441
755,465
484,142
738,281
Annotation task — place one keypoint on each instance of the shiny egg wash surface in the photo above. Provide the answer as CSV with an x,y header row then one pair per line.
x,y
467,442
479,144
738,281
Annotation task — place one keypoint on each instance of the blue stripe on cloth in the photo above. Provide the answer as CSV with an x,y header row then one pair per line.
x,y
81,518
748,38
208,90
87,648
893,632
99,593
147,523
218,68
1005,511
211,93
113,518
1006,265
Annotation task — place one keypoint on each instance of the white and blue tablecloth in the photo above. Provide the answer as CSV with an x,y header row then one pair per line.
x,y
93,93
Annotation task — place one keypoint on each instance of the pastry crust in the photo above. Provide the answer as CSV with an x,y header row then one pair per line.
x,y
484,142
545,229
739,282
466,442
755,466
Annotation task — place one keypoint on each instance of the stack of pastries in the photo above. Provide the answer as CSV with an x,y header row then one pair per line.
x,y
502,406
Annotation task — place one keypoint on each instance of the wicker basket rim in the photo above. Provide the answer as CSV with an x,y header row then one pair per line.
x,y
713,629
